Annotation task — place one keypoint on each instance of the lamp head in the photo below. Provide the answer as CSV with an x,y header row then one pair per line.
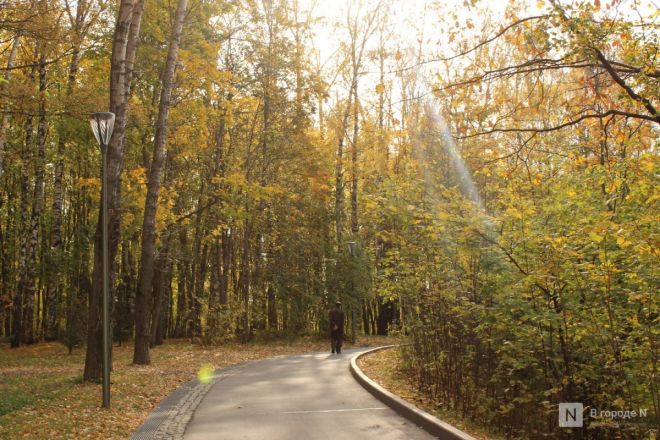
x,y
102,125
351,248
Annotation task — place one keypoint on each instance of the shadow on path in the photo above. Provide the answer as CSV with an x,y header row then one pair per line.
x,y
304,397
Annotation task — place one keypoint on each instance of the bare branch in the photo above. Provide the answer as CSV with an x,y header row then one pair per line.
x,y
560,126
472,49
615,76
54,60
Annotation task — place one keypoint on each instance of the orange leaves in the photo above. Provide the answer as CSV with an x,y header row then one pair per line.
x,y
137,177
538,179
93,183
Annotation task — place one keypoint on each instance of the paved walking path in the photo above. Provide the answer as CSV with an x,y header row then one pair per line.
x,y
304,397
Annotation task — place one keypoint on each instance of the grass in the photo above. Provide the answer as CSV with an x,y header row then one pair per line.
x,y
18,391
42,395
384,367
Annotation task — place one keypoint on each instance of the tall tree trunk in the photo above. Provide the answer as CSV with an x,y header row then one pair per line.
x,y
182,281
298,65
161,329
199,292
126,39
244,282
8,256
354,163
5,117
145,284
55,254
339,172
79,281
365,316
24,299
218,293
4,316
160,290
18,336
381,104
126,288
212,321
226,268
37,206
272,308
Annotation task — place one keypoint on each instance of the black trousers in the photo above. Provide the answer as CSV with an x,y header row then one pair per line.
x,y
336,339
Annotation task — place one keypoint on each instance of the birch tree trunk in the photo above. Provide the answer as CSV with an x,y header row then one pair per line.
x,y
339,173
18,336
354,160
124,48
357,50
23,331
55,255
160,292
37,208
5,117
182,281
145,284
17,301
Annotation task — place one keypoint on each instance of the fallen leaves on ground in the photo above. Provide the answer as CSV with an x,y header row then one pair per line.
x,y
385,368
42,395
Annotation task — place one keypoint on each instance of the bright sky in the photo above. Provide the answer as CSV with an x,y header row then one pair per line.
x,y
431,20
409,20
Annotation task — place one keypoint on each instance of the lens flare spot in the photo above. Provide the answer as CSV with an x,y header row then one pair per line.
x,y
205,374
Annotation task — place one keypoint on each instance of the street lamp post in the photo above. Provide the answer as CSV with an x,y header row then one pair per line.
x,y
351,250
102,125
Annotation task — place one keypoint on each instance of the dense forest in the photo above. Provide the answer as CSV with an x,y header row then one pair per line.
x,y
494,170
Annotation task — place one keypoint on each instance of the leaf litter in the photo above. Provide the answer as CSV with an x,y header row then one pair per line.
x,y
42,395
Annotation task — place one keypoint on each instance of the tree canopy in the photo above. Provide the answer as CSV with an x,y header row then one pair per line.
x,y
497,168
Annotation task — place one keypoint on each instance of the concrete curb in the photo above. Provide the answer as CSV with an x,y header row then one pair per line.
x,y
431,424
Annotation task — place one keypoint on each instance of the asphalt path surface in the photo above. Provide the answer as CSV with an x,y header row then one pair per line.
x,y
304,397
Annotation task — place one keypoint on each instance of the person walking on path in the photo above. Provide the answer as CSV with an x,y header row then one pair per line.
x,y
336,327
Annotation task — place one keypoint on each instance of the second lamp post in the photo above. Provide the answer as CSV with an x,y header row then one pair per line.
x,y
102,125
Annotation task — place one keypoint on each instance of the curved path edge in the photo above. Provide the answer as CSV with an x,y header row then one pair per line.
x,y
431,424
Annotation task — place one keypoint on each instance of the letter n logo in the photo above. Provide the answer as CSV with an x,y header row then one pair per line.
x,y
570,415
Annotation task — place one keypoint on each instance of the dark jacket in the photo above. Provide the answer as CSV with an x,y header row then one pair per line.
x,y
336,316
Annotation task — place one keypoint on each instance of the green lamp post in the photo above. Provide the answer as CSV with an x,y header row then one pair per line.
x,y
102,125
